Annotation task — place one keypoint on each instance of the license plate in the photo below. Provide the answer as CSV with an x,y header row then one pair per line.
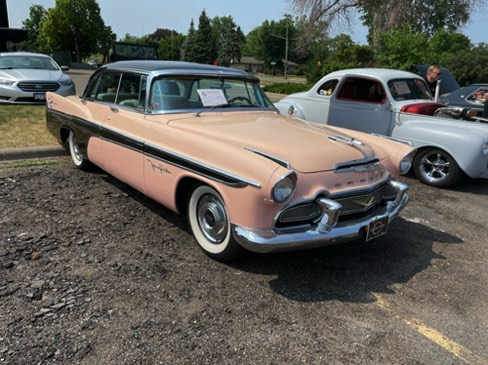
x,y
39,96
376,228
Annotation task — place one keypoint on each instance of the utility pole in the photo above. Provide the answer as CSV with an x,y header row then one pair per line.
x,y
285,71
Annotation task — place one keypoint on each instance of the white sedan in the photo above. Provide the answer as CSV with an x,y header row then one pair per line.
x,y
26,77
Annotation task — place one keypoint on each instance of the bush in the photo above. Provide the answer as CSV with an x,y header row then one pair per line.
x,y
287,88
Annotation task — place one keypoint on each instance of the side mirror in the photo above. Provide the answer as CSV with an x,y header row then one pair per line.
x,y
64,68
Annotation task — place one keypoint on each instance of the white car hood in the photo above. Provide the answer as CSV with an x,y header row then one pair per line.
x,y
29,74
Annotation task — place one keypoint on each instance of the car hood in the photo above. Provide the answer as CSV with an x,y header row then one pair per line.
x,y
28,74
308,147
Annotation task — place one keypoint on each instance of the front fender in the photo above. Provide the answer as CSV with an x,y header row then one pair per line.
x,y
462,140
284,106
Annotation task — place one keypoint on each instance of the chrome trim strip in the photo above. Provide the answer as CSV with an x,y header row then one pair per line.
x,y
393,139
198,164
351,165
279,161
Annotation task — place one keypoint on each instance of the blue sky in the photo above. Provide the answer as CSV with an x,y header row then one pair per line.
x,y
145,16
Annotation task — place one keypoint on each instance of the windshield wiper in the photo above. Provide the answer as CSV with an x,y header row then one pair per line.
x,y
206,109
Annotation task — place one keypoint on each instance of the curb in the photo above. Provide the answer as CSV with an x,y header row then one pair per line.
x,y
11,154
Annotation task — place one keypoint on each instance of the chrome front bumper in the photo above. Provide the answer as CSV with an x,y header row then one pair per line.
x,y
326,232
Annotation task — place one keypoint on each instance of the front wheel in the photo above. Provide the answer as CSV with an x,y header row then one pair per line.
x,y
436,167
77,157
210,224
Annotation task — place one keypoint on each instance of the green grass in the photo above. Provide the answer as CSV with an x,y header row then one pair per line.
x,y
32,162
24,126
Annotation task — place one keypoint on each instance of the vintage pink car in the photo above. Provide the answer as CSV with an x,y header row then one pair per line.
x,y
205,141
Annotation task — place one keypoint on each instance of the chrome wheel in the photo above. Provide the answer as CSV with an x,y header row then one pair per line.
x,y
436,167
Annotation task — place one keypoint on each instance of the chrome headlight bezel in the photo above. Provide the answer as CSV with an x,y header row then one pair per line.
x,y
406,162
284,189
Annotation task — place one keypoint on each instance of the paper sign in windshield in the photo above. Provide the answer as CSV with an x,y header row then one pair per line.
x,y
212,97
401,88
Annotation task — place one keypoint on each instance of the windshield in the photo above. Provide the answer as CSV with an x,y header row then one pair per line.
x,y
39,63
409,89
196,93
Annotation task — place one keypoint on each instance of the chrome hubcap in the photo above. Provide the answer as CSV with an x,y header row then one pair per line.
x,y
435,167
212,218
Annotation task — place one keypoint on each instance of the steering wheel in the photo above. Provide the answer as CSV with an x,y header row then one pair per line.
x,y
240,98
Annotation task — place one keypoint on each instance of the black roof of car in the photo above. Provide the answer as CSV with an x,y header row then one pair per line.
x,y
173,66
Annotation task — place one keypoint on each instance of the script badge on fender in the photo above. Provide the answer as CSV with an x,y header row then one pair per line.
x,y
376,229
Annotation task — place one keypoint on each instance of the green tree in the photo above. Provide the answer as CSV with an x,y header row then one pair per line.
x,y
77,26
469,65
401,48
187,49
37,13
267,42
443,44
229,39
380,16
202,47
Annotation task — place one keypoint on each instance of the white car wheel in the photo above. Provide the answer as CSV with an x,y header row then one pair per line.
x,y
76,155
210,224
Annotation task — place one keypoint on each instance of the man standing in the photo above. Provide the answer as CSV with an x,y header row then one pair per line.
x,y
433,75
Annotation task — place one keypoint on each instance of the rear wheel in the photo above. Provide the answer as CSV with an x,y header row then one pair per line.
x,y
436,167
77,157
210,224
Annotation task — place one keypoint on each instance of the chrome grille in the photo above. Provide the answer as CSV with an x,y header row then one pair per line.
x,y
34,87
301,213
360,203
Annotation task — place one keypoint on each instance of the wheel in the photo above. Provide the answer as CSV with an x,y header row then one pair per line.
x,y
436,167
240,98
77,157
210,224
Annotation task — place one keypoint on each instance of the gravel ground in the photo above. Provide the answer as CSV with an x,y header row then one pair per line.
x,y
93,272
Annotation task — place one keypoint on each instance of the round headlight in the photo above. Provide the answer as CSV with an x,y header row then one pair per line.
x,y
406,163
284,188
291,110
485,149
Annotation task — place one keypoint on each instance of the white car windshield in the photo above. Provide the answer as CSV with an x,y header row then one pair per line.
x,y
409,89
200,92
28,62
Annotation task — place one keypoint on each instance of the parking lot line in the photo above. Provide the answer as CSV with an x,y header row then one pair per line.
x,y
449,345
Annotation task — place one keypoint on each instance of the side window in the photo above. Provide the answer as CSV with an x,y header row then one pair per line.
x,y
328,87
359,89
132,91
104,88
478,97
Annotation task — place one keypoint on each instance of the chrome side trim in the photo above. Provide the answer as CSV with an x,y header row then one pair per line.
x,y
393,139
185,162
279,161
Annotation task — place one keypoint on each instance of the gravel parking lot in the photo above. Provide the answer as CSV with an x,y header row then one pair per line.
x,y
93,272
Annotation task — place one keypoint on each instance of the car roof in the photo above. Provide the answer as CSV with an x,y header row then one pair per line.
x,y
380,73
172,66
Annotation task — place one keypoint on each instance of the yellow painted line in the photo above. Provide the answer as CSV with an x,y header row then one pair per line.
x,y
449,345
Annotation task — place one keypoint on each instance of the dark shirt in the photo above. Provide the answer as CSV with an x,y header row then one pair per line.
x,y
432,86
